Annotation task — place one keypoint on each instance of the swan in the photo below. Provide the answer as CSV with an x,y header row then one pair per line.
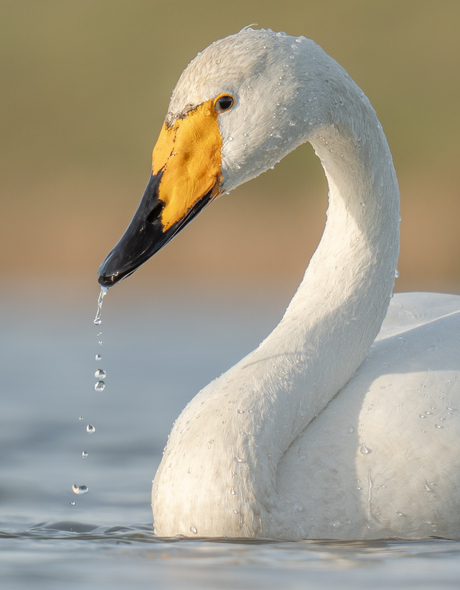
x,y
344,423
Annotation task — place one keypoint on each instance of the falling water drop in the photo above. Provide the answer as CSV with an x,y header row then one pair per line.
x,y
100,374
99,386
79,490
364,450
98,357
84,454
194,530
72,503
90,429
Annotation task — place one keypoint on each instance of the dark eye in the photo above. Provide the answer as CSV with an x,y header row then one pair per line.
x,y
224,103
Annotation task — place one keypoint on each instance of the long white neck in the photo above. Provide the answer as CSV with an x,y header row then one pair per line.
x,y
228,441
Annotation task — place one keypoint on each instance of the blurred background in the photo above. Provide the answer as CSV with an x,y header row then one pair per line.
x,y
85,87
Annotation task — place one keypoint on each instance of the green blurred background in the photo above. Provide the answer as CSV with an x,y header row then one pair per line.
x,y
84,89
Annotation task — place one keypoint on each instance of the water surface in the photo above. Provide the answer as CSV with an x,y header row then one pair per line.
x,y
157,355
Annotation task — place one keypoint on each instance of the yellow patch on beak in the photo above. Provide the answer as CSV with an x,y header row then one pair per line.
x,y
189,152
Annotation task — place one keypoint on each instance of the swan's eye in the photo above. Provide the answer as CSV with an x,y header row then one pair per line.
x,y
224,103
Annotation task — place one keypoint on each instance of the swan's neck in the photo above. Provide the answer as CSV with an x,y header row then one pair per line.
x,y
340,305
229,440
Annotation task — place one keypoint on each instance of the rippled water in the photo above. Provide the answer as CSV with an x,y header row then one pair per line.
x,y
156,355
66,554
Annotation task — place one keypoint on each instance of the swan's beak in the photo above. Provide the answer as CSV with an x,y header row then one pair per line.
x,y
186,176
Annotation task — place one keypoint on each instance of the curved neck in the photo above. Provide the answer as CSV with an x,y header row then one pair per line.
x,y
342,301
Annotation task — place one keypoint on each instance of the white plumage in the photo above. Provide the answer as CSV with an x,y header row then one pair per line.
x,y
319,432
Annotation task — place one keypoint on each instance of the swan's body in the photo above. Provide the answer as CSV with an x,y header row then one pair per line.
x,y
302,438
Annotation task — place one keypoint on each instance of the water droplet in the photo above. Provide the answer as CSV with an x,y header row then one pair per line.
x,y
438,426
232,491
79,490
230,138
350,430
240,411
100,374
240,460
72,503
80,417
396,274
194,530
364,450
98,319
98,357
99,386
90,429
84,454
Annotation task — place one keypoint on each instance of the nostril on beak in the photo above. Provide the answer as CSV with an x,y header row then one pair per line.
x,y
155,212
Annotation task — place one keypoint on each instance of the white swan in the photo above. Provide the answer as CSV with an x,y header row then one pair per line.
x,y
329,428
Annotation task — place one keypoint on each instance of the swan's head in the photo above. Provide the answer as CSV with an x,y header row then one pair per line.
x,y
238,108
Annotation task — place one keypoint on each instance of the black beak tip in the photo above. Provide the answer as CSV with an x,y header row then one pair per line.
x,y
106,281
112,270
106,276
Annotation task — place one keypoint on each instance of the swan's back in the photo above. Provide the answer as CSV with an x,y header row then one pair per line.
x,y
383,459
